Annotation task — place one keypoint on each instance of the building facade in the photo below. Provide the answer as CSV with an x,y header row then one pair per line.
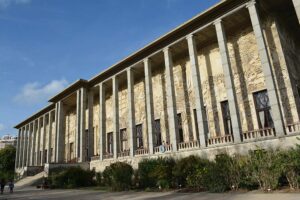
x,y
8,140
227,80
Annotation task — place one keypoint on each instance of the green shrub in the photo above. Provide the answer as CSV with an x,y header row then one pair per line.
x,y
99,180
266,168
72,177
290,161
154,172
118,176
190,172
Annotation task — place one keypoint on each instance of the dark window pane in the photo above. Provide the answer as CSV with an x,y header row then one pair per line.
x,y
139,136
263,109
157,130
226,117
180,130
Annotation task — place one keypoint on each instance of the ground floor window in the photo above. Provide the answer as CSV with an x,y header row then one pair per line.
x,y
123,139
157,130
263,109
180,130
139,136
110,143
226,118
72,151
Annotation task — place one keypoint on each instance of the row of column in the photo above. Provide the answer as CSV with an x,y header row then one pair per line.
x,y
30,148
196,81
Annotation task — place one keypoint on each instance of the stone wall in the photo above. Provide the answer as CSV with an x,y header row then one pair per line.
x,y
70,134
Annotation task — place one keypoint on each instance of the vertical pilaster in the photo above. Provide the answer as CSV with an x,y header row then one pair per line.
x,y
149,103
115,85
229,83
90,120
102,116
18,150
171,101
50,121
131,111
60,139
82,148
297,8
196,81
267,69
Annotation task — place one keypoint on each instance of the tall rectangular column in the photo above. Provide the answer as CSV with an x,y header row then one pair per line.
x,y
60,139
229,83
18,150
32,159
78,124
21,147
171,101
196,81
297,8
131,110
267,69
29,140
50,121
102,117
90,124
149,103
82,148
24,146
38,145
43,140
115,85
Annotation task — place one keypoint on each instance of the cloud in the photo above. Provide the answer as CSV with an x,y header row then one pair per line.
x,y
2,127
7,3
33,93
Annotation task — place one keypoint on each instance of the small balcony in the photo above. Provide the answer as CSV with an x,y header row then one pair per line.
x,y
125,153
141,152
188,145
219,140
108,156
293,128
258,134
162,149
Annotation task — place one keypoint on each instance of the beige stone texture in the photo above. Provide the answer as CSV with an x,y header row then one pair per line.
x,y
70,134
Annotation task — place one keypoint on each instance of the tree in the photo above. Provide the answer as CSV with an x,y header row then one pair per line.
x,y
7,161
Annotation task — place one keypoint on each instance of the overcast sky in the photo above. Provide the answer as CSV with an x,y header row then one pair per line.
x,y
46,45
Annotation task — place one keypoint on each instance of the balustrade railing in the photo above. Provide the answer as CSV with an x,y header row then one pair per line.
x,y
141,151
260,133
220,140
108,155
93,158
162,149
293,128
188,145
124,153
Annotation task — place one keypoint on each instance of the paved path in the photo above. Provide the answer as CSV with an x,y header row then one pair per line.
x,y
30,193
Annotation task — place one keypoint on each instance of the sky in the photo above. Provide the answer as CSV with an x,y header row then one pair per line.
x,y
45,45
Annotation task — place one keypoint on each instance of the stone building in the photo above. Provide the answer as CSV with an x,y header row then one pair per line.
x,y
8,140
227,80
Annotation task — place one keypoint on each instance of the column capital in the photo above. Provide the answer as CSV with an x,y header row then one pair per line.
x,y
190,36
217,21
251,3
166,49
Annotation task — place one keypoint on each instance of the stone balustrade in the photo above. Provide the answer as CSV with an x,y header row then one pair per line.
x,y
167,148
124,153
93,158
108,156
220,140
293,128
260,133
141,151
188,145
